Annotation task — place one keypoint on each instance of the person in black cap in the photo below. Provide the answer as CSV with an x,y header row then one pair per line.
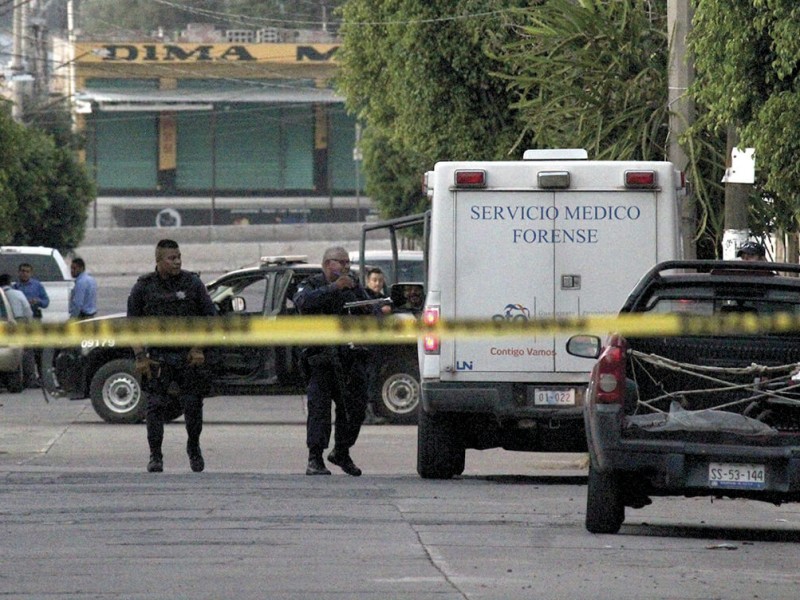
x,y
751,251
335,374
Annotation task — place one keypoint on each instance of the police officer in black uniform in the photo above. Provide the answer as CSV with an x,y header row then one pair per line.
x,y
336,373
174,379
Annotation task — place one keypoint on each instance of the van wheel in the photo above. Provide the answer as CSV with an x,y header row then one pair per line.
x,y
398,393
15,382
117,394
605,511
440,452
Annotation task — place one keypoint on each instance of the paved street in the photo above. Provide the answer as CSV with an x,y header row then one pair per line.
x,y
79,518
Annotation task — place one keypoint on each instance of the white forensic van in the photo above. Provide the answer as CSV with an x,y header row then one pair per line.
x,y
553,235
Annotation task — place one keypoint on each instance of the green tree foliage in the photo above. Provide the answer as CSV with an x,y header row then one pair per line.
x,y
416,73
10,137
44,191
593,74
748,74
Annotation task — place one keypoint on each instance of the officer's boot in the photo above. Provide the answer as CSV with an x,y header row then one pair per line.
x,y
195,456
341,458
156,464
316,466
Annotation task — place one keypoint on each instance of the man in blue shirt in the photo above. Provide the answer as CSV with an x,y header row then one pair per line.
x,y
83,299
33,289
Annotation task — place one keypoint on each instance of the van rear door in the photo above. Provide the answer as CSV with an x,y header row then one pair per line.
x,y
498,275
595,277
541,255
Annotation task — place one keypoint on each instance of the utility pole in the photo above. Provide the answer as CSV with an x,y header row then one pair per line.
x,y
737,193
17,62
681,107
38,52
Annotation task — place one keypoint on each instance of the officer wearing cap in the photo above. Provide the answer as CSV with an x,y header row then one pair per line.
x,y
751,251
335,374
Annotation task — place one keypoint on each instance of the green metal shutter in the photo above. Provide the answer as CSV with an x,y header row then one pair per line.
x,y
248,147
124,150
341,141
258,147
194,151
298,148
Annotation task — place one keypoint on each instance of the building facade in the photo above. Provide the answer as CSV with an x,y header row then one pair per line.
x,y
219,128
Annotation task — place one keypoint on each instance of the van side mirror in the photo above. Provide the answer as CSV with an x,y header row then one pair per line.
x,y
584,346
238,304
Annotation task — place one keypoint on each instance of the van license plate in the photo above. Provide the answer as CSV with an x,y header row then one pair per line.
x,y
729,475
554,397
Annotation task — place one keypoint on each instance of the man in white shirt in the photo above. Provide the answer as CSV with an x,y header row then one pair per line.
x,y
20,307
22,311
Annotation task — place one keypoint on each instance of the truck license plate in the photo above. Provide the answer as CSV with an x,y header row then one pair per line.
x,y
729,475
554,397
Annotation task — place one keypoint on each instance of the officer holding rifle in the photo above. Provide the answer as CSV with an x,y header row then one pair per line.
x,y
335,374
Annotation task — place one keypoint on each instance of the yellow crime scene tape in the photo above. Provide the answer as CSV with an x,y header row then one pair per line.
x,y
327,330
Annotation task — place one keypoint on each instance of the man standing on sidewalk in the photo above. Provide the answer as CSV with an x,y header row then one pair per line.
x,y
21,309
33,289
83,299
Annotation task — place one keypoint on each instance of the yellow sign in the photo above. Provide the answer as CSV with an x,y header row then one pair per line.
x,y
236,330
147,53
167,136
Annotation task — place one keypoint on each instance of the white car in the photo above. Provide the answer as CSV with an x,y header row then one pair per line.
x,y
50,268
10,356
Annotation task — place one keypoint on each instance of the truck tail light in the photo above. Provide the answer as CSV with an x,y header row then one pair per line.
x,y
609,372
640,179
430,318
475,178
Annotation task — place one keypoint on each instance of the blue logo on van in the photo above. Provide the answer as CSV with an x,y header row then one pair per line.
x,y
463,365
513,312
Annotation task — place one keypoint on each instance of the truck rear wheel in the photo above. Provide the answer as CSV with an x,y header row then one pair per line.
x,y
605,511
15,381
398,392
117,394
440,451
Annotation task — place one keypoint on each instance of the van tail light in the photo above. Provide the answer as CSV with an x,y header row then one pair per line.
x,y
430,318
473,178
640,179
609,372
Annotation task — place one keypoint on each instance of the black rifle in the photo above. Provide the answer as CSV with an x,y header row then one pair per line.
x,y
368,303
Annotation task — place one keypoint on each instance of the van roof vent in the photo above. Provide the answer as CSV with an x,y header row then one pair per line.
x,y
556,154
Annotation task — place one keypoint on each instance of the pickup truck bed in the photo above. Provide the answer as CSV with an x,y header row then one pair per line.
x,y
696,415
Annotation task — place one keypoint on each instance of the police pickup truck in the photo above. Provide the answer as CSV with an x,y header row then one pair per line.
x,y
696,414
103,371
